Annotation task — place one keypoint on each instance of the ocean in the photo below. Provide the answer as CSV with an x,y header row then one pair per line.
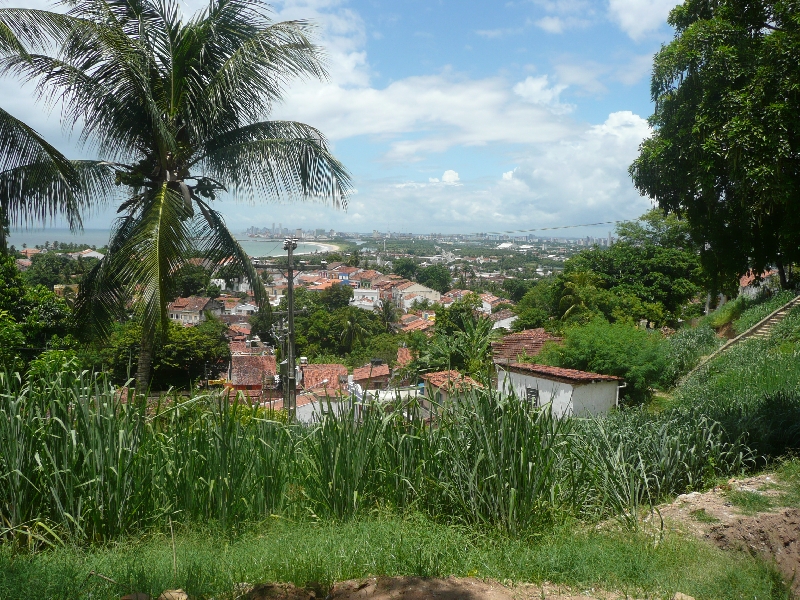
x,y
99,237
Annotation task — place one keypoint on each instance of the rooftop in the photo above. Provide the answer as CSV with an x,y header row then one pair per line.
x,y
572,376
525,343
370,371
192,303
324,377
252,370
450,380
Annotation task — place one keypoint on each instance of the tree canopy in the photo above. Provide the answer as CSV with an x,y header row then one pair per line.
x,y
725,151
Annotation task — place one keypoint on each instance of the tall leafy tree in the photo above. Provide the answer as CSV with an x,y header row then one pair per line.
x,y
177,110
725,150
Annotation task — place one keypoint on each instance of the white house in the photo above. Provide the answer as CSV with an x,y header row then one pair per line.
x,y
245,309
88,253
192,310
570,392
409,289
366,298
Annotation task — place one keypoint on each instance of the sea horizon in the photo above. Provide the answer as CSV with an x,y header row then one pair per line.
x,y
99,237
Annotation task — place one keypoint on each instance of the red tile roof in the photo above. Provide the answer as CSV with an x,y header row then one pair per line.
x,y
404,357
192,303
252,370
368,372
314,375
450,380
420,325
559,374
524,343
750,277
500,315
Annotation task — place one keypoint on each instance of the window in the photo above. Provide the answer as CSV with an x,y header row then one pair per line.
x,y
532,395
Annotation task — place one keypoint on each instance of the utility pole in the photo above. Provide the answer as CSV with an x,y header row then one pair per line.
x,y
291,376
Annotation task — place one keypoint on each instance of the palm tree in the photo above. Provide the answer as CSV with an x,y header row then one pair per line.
x,y
387,313
177,110
353,331
578,288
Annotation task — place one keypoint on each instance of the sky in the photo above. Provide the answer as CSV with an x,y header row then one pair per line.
x,y
457,115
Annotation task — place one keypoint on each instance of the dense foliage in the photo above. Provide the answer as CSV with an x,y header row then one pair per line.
x,y
725,151
182,356
328,329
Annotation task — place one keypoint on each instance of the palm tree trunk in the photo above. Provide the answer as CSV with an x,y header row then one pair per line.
x,y
144,368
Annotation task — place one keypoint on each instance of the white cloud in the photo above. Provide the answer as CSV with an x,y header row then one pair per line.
x,y
508,175
561,15
499,33
441,110
638,18
450,177
536,90
433,180
551,24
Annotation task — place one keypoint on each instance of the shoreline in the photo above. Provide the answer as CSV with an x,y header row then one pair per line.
x,y
323,247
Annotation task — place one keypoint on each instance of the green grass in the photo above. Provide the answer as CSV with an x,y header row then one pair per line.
x,y
753,391
749,502
788,474
702,516
745,312
752,315
211,562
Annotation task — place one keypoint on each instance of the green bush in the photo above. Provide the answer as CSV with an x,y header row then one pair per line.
x,y
612,349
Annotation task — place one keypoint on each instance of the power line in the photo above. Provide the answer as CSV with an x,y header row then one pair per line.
x,y
556,227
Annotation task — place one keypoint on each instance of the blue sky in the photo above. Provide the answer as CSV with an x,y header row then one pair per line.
x,y
466,115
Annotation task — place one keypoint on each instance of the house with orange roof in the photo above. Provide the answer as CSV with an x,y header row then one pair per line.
x,y
524,345
568,392
326,379
252,373
443,387
192,310
374,376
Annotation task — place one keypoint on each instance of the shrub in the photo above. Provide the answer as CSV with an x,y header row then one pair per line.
x,y
612,349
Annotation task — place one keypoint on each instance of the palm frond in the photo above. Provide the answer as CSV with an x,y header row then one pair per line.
x,y
103,294
246,67
215,242
279,159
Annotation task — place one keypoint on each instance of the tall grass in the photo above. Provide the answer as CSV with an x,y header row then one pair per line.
x,y
79,462
753,390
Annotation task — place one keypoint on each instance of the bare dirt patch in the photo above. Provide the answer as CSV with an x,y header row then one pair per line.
x,y
725,516
454,588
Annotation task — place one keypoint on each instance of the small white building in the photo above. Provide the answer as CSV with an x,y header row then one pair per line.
x,y
409,288
88,253
245,309
568,391
366,298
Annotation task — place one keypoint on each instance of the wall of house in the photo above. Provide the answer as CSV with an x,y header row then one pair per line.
x,y
554,392
594,398
579,400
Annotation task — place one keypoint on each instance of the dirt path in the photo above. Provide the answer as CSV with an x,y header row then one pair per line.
x,y
745,514
422,588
